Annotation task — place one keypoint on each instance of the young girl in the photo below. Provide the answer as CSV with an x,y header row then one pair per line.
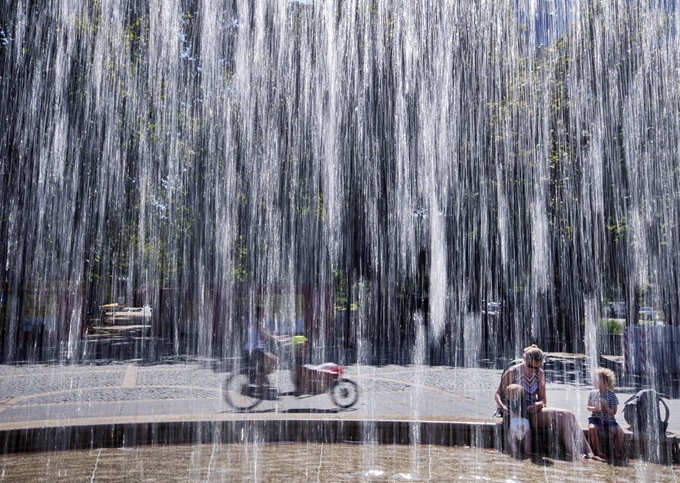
x,y
603,404
519,429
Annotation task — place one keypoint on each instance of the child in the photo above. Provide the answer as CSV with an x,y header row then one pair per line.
x,y
603,405
519,430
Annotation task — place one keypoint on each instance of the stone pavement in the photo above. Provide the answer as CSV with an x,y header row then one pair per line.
x,y
55,396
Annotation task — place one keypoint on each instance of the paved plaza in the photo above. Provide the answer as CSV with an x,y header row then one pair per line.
x,y
44,396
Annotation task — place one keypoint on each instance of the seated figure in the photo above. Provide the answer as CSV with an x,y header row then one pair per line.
x,y
518,431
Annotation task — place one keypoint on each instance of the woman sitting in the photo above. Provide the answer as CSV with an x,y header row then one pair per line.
x,y
531,377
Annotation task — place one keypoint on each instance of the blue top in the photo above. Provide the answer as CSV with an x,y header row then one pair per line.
x,y
529,383
610,397
253,340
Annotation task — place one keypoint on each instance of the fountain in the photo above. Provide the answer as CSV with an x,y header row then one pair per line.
x,y
405,182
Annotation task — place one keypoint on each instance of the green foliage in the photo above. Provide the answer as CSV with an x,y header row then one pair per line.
x,y
240,259
611,326
618,228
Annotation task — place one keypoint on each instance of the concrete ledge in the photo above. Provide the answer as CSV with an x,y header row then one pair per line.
x,y
475,434
662,450
665,450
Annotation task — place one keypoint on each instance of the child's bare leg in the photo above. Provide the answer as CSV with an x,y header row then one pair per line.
x,y
618,441
594,440
528,450
512,445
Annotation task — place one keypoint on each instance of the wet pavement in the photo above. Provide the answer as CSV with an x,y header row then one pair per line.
x,y
315,463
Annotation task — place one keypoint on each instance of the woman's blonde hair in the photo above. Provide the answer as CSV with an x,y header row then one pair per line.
x,y
608,375
533,353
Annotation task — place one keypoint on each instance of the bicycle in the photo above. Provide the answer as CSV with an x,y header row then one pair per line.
x,y
243,393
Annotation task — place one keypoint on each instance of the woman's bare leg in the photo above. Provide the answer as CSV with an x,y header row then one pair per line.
x,y
567,427
618,441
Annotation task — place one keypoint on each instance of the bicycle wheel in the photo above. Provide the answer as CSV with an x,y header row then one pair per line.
x,y
344,393
235,392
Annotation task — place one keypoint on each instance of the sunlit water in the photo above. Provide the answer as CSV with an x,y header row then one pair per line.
x,y
311,463
417,181
445,157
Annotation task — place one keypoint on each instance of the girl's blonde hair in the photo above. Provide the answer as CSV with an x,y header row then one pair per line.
x,y
533,353
515,395
608,375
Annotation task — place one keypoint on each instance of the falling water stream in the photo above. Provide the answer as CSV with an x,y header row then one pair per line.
x,y
199,157
404,182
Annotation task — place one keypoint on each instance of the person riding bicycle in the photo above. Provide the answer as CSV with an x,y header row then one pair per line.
x,y
255,354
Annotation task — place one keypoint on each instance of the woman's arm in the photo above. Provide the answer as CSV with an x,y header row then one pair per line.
x,y
506,380
542,393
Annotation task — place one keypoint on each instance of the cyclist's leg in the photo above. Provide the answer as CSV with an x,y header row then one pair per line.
x,y
268,362
255,362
